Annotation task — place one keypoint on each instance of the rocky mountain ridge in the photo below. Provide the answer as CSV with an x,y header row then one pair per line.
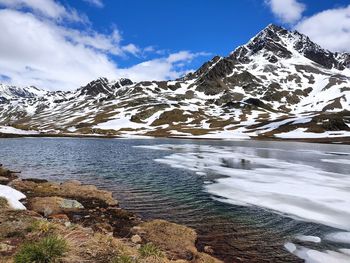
x,y
279,85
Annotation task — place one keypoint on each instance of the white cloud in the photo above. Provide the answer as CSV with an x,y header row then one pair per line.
x,y
330,28
44,53
97,3
154,50
101,42
48,8
132,49
170,67
36,52
182,56
288,11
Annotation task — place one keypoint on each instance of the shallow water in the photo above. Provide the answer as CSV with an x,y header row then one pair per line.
x,y
253,201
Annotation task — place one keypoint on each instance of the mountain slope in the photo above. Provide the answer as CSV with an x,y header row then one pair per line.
x,y
280,84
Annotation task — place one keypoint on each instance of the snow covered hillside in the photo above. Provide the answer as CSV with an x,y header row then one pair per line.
x,y
279,85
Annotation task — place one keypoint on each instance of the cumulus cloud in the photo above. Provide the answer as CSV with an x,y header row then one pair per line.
x,y
100,42
330,28
36,52
132,49
171,67
38,48
185,56
288,11
97,3
47,8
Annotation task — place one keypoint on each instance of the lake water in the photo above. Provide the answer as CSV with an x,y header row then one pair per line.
x,y
252,201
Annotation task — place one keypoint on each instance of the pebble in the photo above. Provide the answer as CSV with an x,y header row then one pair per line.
x,y
5,247
136,239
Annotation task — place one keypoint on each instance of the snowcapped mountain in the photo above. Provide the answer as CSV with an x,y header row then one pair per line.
x,y
12,92
279,85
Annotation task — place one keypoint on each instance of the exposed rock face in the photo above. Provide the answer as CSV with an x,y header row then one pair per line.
x,y
103,86
12,92
272,39
278,74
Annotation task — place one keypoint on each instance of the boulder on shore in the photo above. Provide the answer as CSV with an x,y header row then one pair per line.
x,y
177,240
6,175
53,205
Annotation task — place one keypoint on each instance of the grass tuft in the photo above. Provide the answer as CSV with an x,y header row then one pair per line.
x,y
41,226
124,259
47,250
150,250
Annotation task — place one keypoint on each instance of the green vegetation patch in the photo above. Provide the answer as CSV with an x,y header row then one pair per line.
x,y
124,259
150,250
41,227
48,250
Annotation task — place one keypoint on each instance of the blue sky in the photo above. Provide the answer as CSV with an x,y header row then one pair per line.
x,y
215,26
63,44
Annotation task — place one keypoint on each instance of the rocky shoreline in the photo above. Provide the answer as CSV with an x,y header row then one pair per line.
x,y
90,224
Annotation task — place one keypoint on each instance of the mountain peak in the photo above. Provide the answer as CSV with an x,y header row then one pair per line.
x,y
276,42
271,32
274,29
8,92
272,26
103,86
268,40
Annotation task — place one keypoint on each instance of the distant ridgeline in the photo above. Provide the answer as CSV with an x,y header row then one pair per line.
x,y
279,85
